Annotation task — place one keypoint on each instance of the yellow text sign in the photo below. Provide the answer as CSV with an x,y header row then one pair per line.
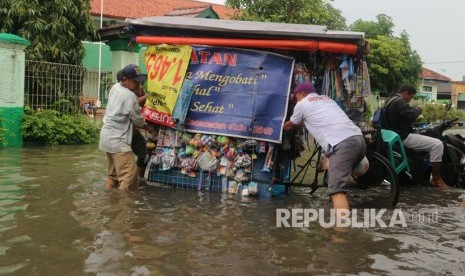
x,y
166,69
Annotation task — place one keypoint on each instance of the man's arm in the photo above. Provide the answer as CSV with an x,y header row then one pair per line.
x,y
408,112
141,96
142,100
290,126
135,114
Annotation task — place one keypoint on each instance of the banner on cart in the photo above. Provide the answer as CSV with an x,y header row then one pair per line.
x,y
166,69
238,92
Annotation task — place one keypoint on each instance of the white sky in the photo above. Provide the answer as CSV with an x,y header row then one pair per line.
x,y
436,28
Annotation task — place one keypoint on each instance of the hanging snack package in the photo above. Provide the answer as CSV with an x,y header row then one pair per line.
x,y
230,170
207,162
240,176
232,187
161,137
242,160
300,73
169,137
178,141
224,184
224,163
184,164
269,159
253,188
153,134
186,137
156,158
245,190
192,168
262,147
250,143
168,159
153,161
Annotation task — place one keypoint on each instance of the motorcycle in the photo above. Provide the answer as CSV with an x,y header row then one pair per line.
x,y
453,159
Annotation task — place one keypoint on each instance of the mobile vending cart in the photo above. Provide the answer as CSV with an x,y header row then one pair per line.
x,y
219,95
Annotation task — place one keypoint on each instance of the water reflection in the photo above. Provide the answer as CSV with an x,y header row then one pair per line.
x,y
57,219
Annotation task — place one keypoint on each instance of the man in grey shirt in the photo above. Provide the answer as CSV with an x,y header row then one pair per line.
x,y
123,112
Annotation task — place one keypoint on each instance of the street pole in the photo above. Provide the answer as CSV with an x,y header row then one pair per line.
x,y
100,55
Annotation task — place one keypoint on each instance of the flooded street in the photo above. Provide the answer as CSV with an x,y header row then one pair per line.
x,y
57,219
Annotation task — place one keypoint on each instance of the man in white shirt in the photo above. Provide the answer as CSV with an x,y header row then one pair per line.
x,y
122,113
341,139
138,144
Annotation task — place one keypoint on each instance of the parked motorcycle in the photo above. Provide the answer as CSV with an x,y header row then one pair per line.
x,y
453,160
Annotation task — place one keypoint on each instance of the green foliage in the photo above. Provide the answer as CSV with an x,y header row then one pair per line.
x,y
412,63
66,106
316,12
2,131
373,29
385,64
54,27
368,113
434,112
392,61
54,128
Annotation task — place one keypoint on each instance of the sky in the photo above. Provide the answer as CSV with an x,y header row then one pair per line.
x,y
436,28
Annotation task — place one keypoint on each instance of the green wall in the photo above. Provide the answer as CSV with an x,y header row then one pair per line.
x,y
91,57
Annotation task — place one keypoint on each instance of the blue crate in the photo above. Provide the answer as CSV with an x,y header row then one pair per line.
x,y
176,179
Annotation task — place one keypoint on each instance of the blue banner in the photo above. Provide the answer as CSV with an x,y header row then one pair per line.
x,y
237,92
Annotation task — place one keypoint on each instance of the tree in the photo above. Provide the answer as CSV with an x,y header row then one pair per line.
x,y
412,67
54,27
385,64
373,29
316,12
392,61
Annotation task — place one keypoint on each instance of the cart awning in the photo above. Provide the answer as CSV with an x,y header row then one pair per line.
x,y
306,45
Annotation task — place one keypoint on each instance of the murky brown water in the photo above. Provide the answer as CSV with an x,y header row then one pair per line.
x,y
56,219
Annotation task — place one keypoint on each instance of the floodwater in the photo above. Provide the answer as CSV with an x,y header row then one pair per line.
x,y
57,219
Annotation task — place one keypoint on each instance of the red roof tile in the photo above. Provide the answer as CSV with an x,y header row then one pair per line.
x,y
122,9
189,12
431,75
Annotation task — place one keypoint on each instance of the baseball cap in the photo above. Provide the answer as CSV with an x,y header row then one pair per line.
x,y
305,87
132,71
